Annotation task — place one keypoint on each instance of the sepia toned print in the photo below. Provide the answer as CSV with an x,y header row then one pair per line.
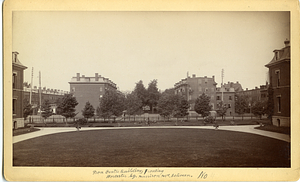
x,y
151,95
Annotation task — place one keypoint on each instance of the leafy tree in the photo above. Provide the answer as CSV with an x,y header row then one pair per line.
x,y
222,109
27,110
141,92
182,108
167,103
152,94
240,104
270,103
46,109
202,105
258,108
67,106
170,104
112,103
88,110
133,104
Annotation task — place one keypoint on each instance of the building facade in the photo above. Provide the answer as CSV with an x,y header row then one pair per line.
x,y
46,94
192,87
17,87
279,75
89,89
226,95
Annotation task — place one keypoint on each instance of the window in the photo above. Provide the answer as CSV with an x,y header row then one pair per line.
x,y
276,55
200,89
277,73
279,103
101,89
212,106
73,89
229,105
14,106
230,98
14,80
218,97
212,97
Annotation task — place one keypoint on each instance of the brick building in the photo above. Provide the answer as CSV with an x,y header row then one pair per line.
x,y
46,94
192,87
226,94
17,86
89,89
279,75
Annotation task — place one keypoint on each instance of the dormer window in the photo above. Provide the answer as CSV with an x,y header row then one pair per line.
x,y
277,55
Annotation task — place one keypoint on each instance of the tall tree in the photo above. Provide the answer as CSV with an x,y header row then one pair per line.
x,y
153,94
46,109
170,104
167,103
258,108
222,109
133,104
240,104
183,107
112,103
141,92
270,103
202,105
88,110
67,106
28,110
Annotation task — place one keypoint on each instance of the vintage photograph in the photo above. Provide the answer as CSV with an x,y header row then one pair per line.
x,y
134,93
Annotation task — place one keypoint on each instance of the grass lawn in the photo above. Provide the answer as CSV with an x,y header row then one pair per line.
x,y
21,131
283,130
148,147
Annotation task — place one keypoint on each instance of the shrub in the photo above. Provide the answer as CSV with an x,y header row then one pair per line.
x,y
81,121
209,119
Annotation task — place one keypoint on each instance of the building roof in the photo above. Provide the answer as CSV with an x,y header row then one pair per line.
x,y
16,62
281,55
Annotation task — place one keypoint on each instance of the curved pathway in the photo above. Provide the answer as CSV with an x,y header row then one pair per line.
x,y
244,128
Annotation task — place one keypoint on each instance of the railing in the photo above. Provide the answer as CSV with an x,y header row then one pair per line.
x,y
138,119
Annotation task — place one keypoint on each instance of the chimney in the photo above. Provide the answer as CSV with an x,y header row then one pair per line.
x,y
246,88
78,76
96,77
286,42
194,75
213,77
83,76
256,88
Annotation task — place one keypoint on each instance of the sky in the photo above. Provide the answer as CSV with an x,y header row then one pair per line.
x,y
130,46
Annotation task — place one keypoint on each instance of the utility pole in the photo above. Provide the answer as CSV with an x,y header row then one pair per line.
x,y
31,86
40,91
222,83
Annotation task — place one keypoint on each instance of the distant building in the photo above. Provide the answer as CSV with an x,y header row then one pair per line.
x,y
89,89
279,73
192,87
46,94
236,86
17,86
227,95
